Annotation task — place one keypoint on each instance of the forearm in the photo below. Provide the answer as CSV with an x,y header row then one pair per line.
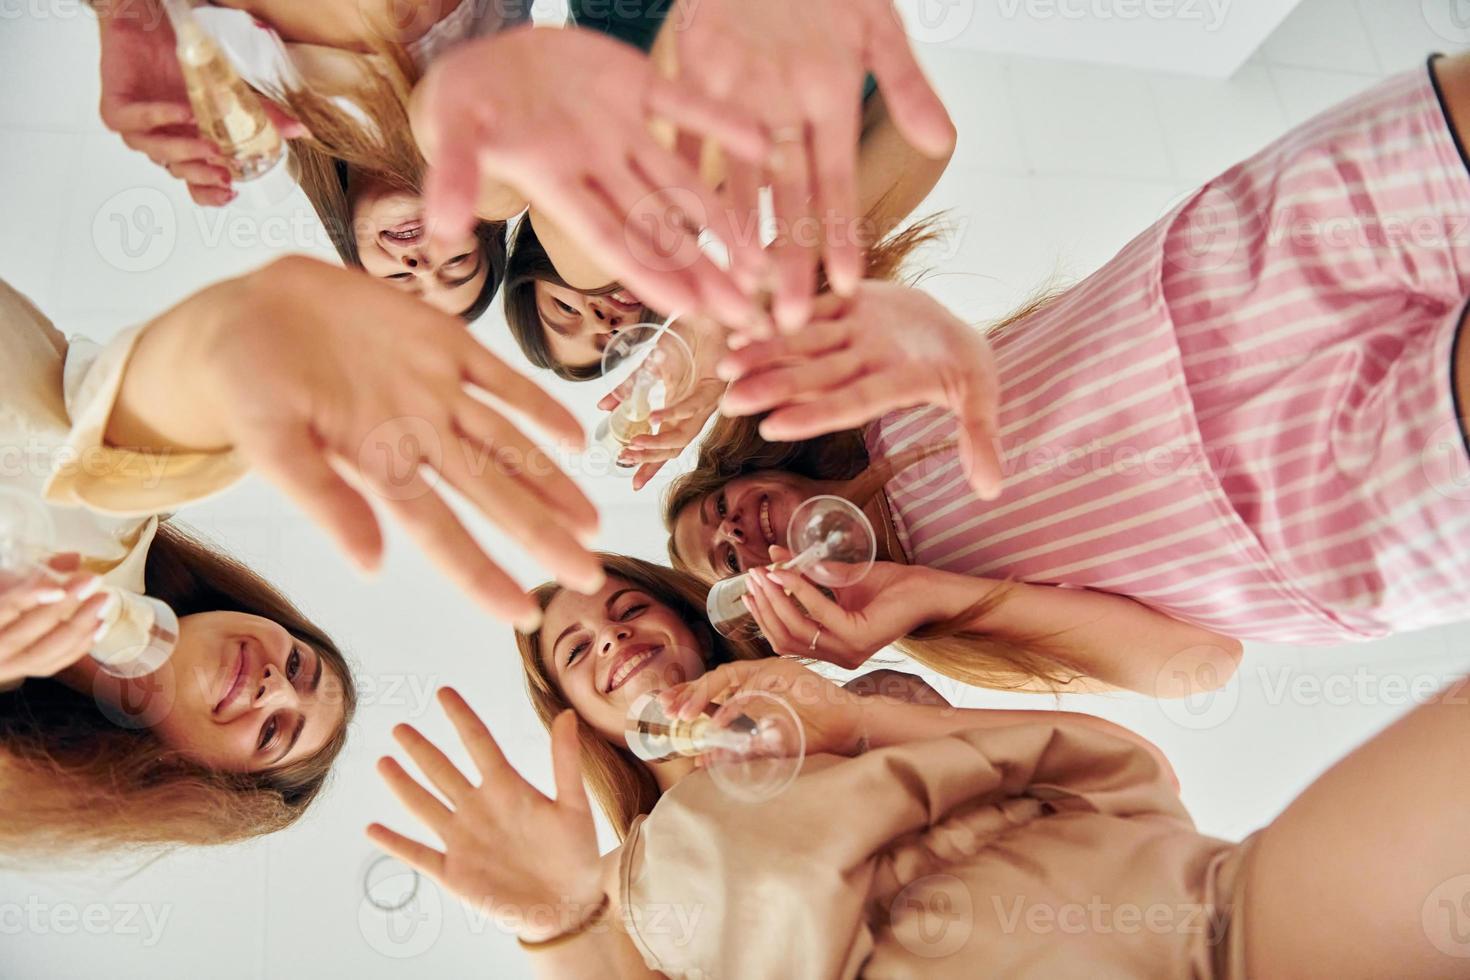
x,y
161,405
605,954
1110,638
893,177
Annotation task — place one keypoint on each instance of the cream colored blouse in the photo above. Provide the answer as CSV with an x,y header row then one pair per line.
x,y
1028,851
55,401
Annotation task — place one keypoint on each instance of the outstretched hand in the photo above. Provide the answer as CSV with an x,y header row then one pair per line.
x,y
508,849
888,347
798,68
341,391
563,116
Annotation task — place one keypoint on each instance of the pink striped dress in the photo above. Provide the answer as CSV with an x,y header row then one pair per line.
x,y
1246,419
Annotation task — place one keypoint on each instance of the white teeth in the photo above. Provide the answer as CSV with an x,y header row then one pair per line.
x,y
766,521
627,667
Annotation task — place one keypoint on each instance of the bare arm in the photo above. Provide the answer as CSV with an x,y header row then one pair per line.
x,y
1109,638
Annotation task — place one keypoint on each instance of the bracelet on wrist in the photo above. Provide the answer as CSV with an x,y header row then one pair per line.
x,y
587,923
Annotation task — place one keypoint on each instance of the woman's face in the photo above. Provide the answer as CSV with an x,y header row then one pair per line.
x,y
605,650
239,694
732,529
579,325
392,245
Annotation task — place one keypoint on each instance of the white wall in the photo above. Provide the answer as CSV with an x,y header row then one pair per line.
x,y
1059,164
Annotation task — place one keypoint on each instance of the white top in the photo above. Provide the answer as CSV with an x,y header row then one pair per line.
x,y
55,401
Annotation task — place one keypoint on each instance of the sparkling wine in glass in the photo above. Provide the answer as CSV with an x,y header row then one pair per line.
x,y
833,544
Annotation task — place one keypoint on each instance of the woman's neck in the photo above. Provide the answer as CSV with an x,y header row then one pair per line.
x,y
667,774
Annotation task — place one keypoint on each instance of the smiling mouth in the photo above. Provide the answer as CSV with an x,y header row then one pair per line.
x,y
408,233
630,665
235,683
625,299
765,521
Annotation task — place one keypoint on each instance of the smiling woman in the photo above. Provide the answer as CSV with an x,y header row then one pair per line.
x,y
90,763
234,734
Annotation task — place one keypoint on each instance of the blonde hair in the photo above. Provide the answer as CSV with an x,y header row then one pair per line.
x,y
622,785
76,785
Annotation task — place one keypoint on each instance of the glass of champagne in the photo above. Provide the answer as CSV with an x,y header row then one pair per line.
x,y
833,544
138,632
752,745
650,367
228,112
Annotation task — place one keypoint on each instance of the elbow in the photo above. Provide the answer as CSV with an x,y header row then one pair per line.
x,y
1200,668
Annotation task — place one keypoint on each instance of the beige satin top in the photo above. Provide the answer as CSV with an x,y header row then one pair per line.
x,y
55,401
1029,851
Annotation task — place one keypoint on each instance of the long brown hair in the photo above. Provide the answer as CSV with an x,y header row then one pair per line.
x,y
622,785
374,143
74,783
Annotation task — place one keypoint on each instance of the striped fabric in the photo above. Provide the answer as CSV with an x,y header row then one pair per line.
x,y
1246,418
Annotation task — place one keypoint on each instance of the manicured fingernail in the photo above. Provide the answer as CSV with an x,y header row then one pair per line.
x,y
50,597
89,588
101,629
529,624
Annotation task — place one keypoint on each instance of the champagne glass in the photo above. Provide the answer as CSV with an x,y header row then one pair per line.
x,y
652,367
138,632
228,112
833,545
752,745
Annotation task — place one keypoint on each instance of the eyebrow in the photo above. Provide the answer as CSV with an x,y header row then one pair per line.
x,y
575,626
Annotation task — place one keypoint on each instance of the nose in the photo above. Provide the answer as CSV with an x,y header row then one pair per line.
x,y
729,530
613,318
612,638
273,688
